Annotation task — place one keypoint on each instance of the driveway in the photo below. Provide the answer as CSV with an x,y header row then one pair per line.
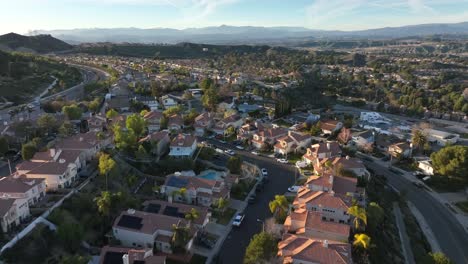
x,y
281,176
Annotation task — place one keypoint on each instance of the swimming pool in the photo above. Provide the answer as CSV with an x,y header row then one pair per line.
x,y
210,175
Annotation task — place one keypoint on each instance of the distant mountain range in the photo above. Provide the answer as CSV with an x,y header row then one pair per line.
x,y
244,34
38,43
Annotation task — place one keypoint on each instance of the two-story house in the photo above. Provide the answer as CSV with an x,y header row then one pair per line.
x,y
178,210
330,126
203,123
168,102
183,146
20,187
311,224
153,120
332,206
363,139
221,127
349,164
89,143
320,151
12,212
292,142
199,191
402,149
268,136
147,230
125,255
159,142
175,123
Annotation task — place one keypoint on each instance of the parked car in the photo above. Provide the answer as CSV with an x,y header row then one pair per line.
x,y
240,147
294,189
284,161
264,172
238,220
252,198
418,184
230,152
219,150
255,153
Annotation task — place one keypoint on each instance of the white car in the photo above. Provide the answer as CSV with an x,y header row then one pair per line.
x,y
284,161
238,220
264,172
240,147
230,152
294,189
255,153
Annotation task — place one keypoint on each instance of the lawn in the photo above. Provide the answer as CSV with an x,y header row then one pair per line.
x,y
463,206
224,218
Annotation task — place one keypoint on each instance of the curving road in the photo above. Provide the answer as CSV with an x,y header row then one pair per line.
x,y
280,176
448,232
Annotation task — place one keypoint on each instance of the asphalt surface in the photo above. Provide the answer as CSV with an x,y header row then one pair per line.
x,y
449,233
280,176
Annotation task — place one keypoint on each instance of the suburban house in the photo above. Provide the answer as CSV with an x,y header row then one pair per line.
x,y
150,101
12,212
175,123
442,138
310,224
159,142
20,187
341,185
371,117
332,206
89,143
168,102
321,151
246,131
183,146
330,126
292,142
402,149
344,164
363,139
153,120
296,249
124,255
97,123
426,167
199,191
221,126
203,122
178,210
147,230
58,172
268,136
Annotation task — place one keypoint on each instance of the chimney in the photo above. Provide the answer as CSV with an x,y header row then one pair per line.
x,y
330,180
325,243
52,152
347,157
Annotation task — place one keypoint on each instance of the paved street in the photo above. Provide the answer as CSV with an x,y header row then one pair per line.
x,y
281,177
447,230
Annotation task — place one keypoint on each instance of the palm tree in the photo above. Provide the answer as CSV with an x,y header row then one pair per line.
x,y
222,204
361,241
418,139
192,216
104,203
181,192
180,237
279,207
359,214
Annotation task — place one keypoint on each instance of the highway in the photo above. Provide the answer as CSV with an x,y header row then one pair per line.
x,y
450,235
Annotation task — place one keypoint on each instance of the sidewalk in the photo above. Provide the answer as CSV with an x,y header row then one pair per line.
x,y
425,228
405,242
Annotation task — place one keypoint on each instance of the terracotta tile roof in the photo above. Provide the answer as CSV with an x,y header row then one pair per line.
x,y
156,136
333,148
80,141
50,168
18,184
323,181
175,120
348,162
324,199
297,248
153,115
310,220
204,118
344,185
183,140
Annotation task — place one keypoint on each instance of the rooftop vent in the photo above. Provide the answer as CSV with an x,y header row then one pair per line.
x,y
131,211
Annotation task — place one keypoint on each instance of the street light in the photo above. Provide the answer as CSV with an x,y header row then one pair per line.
x,y
263,224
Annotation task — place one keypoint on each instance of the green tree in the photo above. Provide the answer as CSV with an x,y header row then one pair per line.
x,y
125,140
451,162
192,216
47,122
438,258
94,105
315,130
3,145
28,150
106,165
222,204
279,207
180,238
110,114
210,99
261,249
72,112
190,117
71,235
75,259
375,215
136,123
360,216
66,129
234,164
173,110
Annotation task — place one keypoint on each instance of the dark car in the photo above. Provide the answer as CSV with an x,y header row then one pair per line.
x,y
252,198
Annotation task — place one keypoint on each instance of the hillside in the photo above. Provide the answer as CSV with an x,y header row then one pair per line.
x,y
23,76
39,43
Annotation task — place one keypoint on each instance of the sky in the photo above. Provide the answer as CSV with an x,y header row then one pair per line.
x,y
21,16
